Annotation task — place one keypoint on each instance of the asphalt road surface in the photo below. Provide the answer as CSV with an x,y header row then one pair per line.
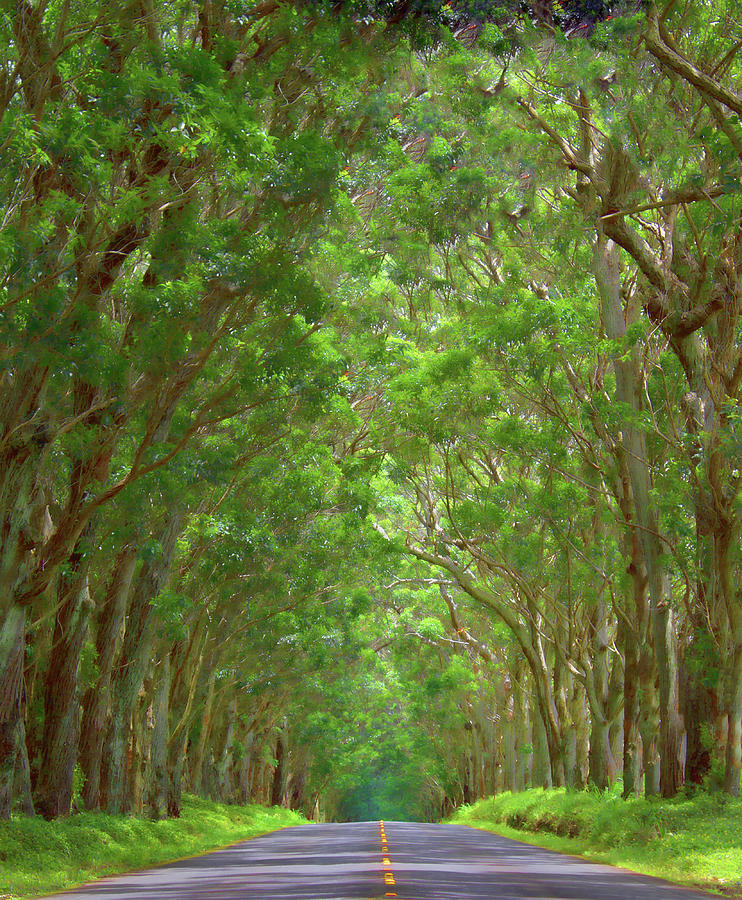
x,y
406,860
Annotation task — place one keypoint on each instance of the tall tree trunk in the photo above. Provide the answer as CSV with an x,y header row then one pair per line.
x,y
199,756
279,782
549,715
542,773
22,789
732,598
632,784
137,756
157,793
12,644
61,702
176,762
523,740
247,769
649,721
509,742
602,764
134,659
224,788
187,660
698,706
606,269
672,774
578,715
96,702
733,761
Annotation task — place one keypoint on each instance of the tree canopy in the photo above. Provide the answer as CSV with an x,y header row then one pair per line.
x,y
369,402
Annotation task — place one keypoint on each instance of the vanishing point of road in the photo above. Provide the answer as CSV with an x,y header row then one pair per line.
x,y
406,860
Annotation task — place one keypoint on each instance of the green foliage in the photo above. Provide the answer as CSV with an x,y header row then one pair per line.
x,y
696,842
40,857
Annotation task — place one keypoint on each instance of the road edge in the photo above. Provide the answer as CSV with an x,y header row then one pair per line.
x,y
563,845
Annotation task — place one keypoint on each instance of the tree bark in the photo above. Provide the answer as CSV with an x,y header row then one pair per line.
x,y
96,703
277,784
578,715
733,760
602,764
157,794
22,789
606,270
12,643
61,703
225,790
632,785
199,756
134,659
542,776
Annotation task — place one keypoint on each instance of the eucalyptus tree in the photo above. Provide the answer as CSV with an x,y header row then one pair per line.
x,y
661,212
528,126
163,171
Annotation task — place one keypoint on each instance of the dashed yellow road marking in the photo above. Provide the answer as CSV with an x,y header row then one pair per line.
x,y
389,879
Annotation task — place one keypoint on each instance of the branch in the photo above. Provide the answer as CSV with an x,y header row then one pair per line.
x,y
696,318
482,649
641,253
568,151
676,198
681,66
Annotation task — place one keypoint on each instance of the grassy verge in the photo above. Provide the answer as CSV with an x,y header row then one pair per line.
x,y
38,857
695,842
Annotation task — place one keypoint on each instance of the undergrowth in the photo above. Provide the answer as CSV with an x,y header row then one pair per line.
x,y
693,841
38,857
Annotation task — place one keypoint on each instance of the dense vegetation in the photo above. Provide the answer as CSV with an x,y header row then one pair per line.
x,y
369,402
40,857
693,841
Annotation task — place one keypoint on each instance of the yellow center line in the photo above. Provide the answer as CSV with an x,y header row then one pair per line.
x,y
389,879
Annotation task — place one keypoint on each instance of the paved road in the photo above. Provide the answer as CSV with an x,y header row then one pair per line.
x,y
372,860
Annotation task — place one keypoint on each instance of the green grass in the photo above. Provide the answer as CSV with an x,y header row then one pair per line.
x,y
38,857
692,841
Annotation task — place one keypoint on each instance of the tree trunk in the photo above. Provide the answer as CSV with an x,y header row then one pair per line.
x,y
186,662
606,269
542,776
22,789
61,702
672,775
602,764
157,794
225,791
12,645
247,767
578,714
733,761
649,722
277,784
524,738
176,762
698,706
509,743
632,785
199,757
134,660
110,618
547,710
136,756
